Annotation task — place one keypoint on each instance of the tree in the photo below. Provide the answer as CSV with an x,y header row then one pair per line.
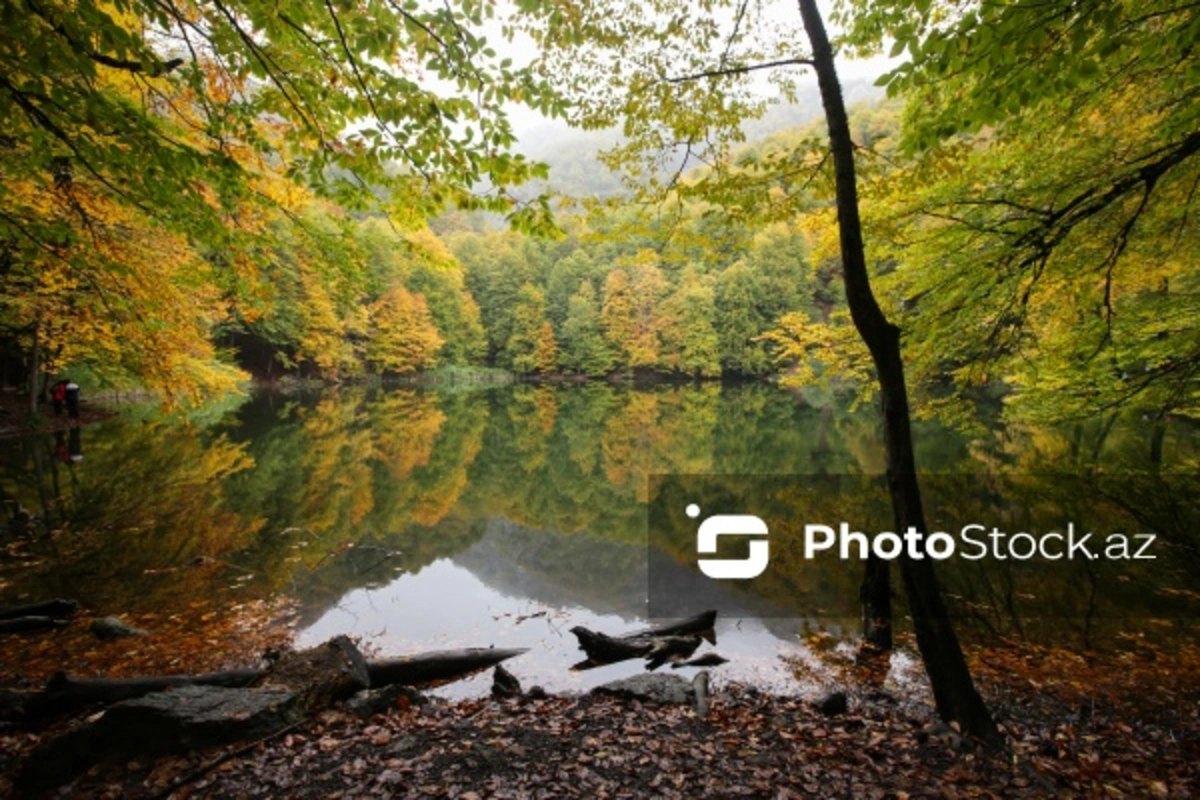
x,y
199,122
631,314
545,355
531,346
677,104
690,342
584,348
1048,199
564,280
496,269
403,338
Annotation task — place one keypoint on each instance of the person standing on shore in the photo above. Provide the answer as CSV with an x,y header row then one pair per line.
x,y
58,394
72,397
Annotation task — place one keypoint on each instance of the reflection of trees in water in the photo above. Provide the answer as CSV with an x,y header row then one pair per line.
x,y
408,476
123,528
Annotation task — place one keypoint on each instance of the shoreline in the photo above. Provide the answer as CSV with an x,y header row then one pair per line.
x,y
750,743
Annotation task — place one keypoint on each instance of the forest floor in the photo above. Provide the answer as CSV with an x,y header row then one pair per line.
x,y
1120,725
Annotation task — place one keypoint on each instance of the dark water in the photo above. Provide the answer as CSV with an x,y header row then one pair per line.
x,y
474,516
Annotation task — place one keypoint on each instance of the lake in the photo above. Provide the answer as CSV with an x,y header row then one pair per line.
x,y
480,515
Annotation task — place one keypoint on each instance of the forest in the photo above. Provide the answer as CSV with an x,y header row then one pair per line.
x,y
464,284
1042,254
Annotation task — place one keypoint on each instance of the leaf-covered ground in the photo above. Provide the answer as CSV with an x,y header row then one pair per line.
x,y
1126,735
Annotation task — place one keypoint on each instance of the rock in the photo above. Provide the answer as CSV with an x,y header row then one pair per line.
x,y
536,693
175,721
832,704
661,689
109,628
504,684
320,676
370,702
941,733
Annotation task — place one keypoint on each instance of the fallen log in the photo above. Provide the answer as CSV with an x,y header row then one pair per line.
x,y
602,649
174,714
55,609
28,624
64,694
436,667
658,643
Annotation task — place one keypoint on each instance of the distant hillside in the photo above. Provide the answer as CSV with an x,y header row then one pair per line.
x,y
571,154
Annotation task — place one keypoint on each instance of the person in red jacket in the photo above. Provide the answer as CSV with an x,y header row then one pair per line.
x,y
58,393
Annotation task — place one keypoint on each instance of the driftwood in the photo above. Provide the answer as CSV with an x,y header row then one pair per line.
x,y
657,644
439,666
28,624
64,694
177,713
602,649
55,609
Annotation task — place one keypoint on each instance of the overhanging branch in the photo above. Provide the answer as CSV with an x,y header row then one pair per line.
x,y
729,71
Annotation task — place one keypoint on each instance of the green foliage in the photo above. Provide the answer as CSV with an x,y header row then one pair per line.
x,y
1051,249
584,348
632,313
531,345
689,338
153,159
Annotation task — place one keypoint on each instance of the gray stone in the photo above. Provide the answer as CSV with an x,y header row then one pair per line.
x,y
109,628
661,689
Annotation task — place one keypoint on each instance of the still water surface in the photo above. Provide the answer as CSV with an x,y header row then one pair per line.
x,y
425,519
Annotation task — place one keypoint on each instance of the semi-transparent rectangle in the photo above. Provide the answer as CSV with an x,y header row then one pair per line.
x,y
1034,562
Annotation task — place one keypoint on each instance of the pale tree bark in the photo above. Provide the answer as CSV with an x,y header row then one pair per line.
x,y
954,690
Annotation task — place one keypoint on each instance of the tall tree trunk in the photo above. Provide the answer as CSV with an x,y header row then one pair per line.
x,y
34,368
953,689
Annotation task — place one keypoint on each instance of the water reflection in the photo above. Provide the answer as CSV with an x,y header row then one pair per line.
x,y
422,519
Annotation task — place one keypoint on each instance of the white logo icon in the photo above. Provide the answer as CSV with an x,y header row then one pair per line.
x,y
730,525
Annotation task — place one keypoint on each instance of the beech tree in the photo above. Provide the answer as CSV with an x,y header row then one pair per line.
x,y
689,337
584,348
531,345
402,336
632,313
1053,157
